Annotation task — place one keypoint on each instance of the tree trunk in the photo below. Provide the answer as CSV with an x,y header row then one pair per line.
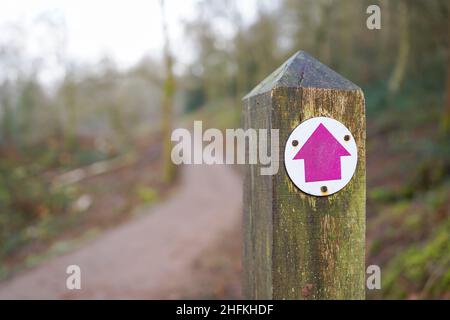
x,y
167,103
398,74
446,117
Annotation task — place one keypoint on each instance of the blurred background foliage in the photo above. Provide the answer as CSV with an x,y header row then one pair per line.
x,y
97,115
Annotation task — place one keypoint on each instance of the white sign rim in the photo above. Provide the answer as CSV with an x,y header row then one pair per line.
x,y
295,168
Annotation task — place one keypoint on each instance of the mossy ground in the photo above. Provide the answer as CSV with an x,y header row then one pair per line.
x,y
408,225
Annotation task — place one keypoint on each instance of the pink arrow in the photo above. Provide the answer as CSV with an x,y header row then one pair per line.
x,y
322,155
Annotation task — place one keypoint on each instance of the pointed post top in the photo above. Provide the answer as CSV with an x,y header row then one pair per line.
x,y
303,71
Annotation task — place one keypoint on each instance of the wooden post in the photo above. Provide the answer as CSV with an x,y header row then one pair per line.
x,y
298,246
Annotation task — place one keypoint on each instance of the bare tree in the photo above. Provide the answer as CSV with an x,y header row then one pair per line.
x,y
403,50
446,118
167,100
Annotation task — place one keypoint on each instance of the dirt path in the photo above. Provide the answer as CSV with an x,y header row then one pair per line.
x,y
152,256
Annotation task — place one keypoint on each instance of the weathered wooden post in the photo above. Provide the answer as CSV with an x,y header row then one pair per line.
x,y
298,245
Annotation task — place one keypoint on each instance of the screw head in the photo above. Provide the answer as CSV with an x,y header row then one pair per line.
x,y
323,188
294,143
346,137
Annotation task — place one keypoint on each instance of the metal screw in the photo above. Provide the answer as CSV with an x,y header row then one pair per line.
x,y
346,137
323,189
294,143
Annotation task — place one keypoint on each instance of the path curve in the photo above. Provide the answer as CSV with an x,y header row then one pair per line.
x,y
150,256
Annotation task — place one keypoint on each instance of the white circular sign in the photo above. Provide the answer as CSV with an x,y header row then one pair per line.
x,y
320,156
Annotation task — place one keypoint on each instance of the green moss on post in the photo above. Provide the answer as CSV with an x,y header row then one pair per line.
x,y
298,246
